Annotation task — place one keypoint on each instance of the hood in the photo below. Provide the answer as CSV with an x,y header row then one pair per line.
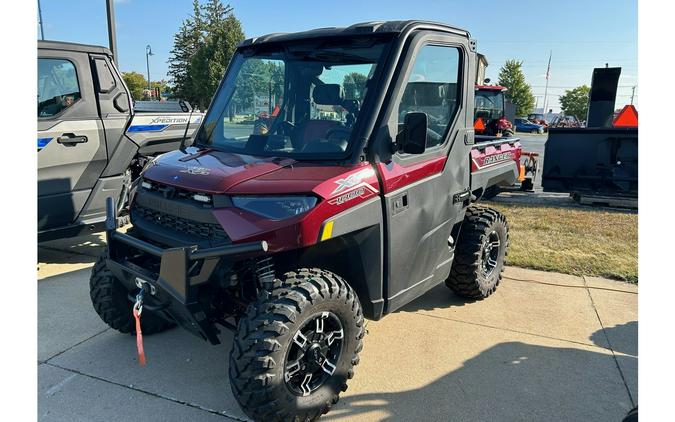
x,y
211,171
215,172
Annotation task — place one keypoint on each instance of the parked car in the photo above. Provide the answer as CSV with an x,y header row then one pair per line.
x,y
524,125
540,119
566,121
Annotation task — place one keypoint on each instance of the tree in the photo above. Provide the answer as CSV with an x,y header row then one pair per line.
x,y
575,102
203,47
354,84
519,92
185,44
162,85
136,83
209,63
258,77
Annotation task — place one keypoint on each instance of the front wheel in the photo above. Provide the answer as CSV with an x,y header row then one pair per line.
x,y
109,298
296,347
480,253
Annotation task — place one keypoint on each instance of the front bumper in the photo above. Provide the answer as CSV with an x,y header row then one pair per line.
x,y
173,284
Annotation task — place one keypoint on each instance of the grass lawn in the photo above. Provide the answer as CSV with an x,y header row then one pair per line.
x,y
573,240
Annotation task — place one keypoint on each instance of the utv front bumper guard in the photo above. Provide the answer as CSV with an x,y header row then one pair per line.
x,y
173,290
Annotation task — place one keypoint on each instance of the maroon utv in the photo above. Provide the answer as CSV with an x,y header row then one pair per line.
x,y
333,178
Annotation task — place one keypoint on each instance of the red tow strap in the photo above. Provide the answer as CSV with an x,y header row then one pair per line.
x,y
139,338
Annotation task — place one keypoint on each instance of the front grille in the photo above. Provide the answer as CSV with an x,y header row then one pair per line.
x,y
211,232
174,192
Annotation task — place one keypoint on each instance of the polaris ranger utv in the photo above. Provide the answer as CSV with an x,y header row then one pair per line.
x,y
351,198
91,140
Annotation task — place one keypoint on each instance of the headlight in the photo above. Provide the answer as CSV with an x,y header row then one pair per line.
x,y
275,207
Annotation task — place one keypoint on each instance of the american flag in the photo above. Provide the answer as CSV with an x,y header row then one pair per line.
x,y
548,69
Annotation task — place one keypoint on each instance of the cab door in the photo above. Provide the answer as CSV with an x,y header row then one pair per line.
x,y
425,195
70,141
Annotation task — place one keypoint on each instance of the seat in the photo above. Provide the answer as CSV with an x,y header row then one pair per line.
x,y
316,129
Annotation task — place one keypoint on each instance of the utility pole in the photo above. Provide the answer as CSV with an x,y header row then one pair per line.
x,y
148,53
42,29
112,38
632,95
548,75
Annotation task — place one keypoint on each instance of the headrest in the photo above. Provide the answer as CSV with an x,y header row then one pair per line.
x,y
425,94
328,94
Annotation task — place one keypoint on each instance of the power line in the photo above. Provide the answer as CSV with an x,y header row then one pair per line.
x,y
626,59
574,86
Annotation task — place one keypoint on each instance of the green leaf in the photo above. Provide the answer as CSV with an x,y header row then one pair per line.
x,y
518,91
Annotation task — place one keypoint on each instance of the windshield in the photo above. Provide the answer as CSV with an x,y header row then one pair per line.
x,y
489,104
300,100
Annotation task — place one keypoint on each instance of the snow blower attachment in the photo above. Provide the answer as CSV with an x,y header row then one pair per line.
x,y
598,164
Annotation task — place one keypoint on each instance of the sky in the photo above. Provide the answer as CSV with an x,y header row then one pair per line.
x,y
580,34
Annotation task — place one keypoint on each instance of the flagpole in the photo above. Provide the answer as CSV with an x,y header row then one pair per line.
x,y
548,71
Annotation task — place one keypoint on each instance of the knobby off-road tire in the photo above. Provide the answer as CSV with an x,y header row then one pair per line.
x,y
109,298
483,230
263,370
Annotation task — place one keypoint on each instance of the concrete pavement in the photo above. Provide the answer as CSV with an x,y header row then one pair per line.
x,y
545,346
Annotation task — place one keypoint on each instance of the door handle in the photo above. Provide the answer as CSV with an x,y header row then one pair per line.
x,y
461,196
70,140
400,203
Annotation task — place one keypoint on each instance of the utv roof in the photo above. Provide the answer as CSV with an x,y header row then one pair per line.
x,y
382,27
71,46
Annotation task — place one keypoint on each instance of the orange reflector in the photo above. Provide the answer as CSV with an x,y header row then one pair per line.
x,y
276,111
628,117
478,124
521,176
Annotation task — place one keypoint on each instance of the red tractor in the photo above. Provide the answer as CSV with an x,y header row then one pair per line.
x,y
489,111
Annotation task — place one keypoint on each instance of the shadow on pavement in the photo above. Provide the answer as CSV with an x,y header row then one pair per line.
x,y
438,297
75,250
511,381
622,337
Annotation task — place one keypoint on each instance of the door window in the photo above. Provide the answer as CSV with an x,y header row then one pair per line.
x,y
433,88
58,88
104,76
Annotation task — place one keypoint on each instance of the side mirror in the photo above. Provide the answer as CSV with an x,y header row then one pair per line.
x,y
414,139
121,102
185,106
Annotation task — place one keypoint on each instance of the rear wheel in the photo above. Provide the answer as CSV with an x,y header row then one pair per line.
x,y
480,253
296,347
534,131
110,301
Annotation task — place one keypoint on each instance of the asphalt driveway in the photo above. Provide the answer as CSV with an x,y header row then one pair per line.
x,y
545,346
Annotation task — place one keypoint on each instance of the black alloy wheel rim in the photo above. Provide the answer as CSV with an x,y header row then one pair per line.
x,y
490,253
314,353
